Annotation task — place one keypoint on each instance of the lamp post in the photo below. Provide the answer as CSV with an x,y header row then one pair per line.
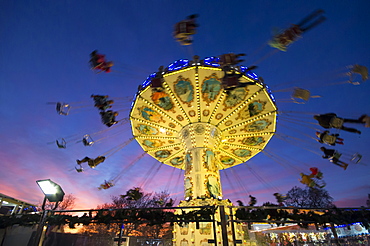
x,y
54,193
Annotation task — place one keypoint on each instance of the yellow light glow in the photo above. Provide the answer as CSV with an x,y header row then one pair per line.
x,y
47,187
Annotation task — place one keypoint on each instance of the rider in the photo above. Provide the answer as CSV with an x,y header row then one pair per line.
x,y
109,117
330,139
105,66
252,200
62,144
330,120
79,169
101,102
98,62
104,106
314,171
282,40
230,59
99,99
184,29
106,185
133,194
280,199
231,79
157,81
307,180
362,70
62,108
332,154
92,162
96,59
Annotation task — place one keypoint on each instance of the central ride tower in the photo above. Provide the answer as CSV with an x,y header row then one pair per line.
x,y
188,117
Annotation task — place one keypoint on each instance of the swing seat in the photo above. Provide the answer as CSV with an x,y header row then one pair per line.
x,y
336,122
79,168
97,69
312,184
106,185
356,158
302,94
87,140
336,155
319,183
63,108
61,143
103,67
319,175
284,39
186,41
274,43
230,59
184,29
227,59
358,72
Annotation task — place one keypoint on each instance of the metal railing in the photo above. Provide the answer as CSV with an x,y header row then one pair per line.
x,y
153,226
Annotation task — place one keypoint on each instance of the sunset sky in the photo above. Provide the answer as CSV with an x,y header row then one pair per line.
x,y
44,54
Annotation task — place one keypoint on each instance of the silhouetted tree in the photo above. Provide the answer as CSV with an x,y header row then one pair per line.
x,y
136,198
68,203
309,198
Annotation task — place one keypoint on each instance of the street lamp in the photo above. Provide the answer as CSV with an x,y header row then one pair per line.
x,y
52,191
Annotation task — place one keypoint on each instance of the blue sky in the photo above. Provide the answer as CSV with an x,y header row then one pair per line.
x,y
44,53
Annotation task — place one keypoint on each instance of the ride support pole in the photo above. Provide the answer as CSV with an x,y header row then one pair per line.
x,y
225,241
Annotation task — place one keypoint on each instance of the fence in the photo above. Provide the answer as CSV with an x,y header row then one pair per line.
x,y
232,226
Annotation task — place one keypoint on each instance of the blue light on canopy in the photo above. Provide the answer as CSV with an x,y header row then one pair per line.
x,y
250,74
270,93
143,85
208,61
212,61
179,64
147,81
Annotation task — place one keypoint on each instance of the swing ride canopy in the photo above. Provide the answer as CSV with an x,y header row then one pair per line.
x,y
191,109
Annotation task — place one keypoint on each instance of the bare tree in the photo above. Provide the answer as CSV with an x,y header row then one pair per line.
x,y
309,198
68,203
136,198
